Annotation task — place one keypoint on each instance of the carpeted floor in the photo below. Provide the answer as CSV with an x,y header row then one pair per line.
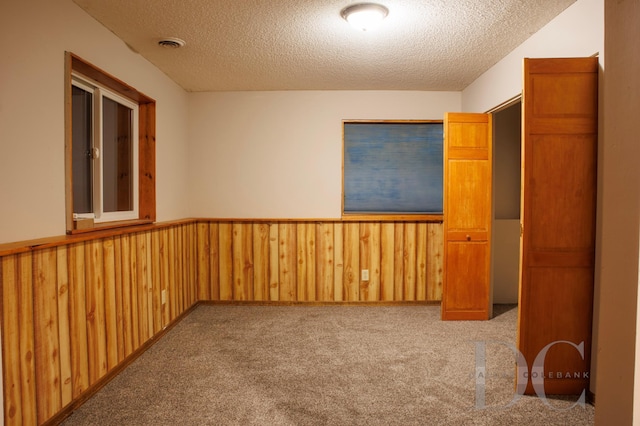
x,y
326,365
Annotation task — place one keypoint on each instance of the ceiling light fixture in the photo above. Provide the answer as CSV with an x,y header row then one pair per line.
x,y
365,16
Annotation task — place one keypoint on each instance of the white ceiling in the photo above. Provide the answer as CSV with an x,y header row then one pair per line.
x,y
306,45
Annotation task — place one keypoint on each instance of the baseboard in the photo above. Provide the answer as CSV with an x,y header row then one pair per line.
x,y
316,303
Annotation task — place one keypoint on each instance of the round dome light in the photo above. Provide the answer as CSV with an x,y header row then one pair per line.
x,y
365,16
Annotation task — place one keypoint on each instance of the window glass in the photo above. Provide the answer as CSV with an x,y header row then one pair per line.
x,y
393,167
117,161
82,129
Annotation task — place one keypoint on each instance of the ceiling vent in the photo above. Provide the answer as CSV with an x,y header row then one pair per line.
x,y
171,42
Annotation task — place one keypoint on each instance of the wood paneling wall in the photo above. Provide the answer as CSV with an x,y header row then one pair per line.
x,y
76,310
319,261
72,313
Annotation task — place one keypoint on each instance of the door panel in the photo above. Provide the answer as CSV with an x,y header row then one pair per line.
x,y
467,216
468,205
465,292
558,219
562,195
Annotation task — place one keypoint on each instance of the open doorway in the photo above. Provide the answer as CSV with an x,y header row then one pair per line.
x,y
507,136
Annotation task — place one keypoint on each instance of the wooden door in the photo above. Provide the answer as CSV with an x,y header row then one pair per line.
x,y
467,216
560,98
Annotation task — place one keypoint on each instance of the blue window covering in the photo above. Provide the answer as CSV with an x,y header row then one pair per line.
x,y
393,168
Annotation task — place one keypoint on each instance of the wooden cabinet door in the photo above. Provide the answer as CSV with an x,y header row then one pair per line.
x,y
560,98
467,216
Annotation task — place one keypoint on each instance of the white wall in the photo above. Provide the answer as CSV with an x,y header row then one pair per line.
x,y
32,173
618,363
578,31
279,154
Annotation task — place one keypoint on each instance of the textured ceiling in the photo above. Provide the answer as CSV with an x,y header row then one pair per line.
x,y
306,45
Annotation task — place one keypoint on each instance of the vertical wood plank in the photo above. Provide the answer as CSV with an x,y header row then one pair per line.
x,y
64,336
365,258
27,338
111,320
325,266
311,261
189,296
181,286
351,261
47,346
173,297
127,322
287,263
410,246
214,261
150,284
12,360
399,261
191,257
193,287
274,262
156,271
435,247
301,262
203,264
78,319
225,247
261,261
142,288
387,256
242,261
96,333
148,274
338,252
135,282
165,278
421,261
117,263
374,263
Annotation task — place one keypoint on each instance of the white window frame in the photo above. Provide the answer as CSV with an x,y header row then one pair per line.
x,y
99,92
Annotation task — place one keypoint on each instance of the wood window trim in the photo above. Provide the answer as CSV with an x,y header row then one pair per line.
x,y
146,145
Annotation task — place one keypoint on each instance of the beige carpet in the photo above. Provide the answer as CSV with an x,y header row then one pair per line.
x,y
326,365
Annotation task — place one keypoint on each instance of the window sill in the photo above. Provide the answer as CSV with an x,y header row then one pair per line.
x,y
111,225
391,217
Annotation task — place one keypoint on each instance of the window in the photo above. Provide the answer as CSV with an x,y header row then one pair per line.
x,y
105,168
110,151
393,168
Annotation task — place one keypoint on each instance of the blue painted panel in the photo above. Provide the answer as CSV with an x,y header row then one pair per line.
x,y
393,167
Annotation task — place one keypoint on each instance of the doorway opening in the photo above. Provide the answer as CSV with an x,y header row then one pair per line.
x,y
507,142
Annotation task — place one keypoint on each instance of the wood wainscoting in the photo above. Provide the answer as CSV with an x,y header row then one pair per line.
x,y
74,312
78,309
319,261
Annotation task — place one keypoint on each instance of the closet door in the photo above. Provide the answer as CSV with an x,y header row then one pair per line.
x,y
467,216
560,98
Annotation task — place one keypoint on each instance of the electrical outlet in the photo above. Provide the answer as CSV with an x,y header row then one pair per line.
x,y
365,275
164,296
